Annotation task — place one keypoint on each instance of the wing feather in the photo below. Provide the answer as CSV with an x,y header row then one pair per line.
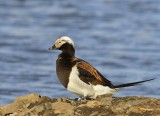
x,y
90,69
90,75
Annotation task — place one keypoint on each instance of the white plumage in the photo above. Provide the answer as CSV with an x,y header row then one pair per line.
x,y
80,88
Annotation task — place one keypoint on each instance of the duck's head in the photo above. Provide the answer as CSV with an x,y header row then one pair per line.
x,y
63,43
66,45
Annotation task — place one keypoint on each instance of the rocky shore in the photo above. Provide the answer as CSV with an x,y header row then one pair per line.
x,y
37,105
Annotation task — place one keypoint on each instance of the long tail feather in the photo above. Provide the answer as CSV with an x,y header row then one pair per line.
x,y
132,84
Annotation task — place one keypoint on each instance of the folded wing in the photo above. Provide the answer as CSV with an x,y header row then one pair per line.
x,y
90,75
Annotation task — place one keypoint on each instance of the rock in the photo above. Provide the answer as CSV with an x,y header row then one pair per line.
x,y
63,108
93,104
36,105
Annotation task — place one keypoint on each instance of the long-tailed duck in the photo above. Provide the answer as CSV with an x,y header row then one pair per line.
x,y
80,77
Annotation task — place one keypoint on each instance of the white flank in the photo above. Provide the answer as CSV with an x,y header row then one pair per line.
x,y
80,88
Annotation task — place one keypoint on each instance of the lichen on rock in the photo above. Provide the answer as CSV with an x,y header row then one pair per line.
x,y
34,104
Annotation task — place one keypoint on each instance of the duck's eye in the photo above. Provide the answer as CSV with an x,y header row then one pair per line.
x,y
59,41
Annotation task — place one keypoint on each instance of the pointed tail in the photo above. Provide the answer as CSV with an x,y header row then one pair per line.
x,y
131,84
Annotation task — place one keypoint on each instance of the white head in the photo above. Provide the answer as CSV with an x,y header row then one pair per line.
x,y
61,41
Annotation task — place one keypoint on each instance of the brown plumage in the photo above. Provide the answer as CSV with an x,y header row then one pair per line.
x,y
90,75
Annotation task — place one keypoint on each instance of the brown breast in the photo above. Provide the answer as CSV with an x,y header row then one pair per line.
x,y
63,69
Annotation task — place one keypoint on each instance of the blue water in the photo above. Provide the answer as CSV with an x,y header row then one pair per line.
x,y
120,38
